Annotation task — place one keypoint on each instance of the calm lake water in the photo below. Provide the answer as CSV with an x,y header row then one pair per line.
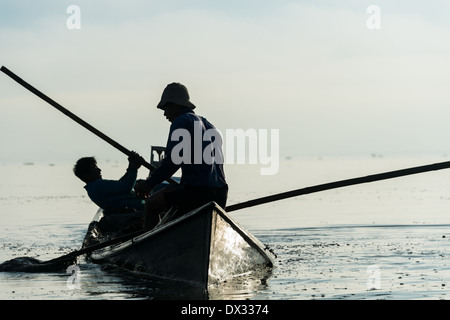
x,y
383,240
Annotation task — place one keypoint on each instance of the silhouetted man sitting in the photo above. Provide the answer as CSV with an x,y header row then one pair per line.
x,y
116,197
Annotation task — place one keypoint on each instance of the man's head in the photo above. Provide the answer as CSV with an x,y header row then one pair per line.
x,y
172,110
86,169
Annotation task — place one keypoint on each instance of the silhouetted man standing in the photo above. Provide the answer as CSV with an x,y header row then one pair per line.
x,y
195,146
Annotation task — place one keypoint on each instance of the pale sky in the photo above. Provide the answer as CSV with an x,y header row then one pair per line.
x,y
311,69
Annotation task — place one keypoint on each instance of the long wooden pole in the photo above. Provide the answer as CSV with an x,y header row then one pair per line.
x,y
76,118
339,184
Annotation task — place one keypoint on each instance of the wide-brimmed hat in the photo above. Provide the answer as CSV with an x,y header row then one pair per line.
x,y
175,93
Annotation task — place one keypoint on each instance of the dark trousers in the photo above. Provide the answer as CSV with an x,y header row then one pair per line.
x,y
188,198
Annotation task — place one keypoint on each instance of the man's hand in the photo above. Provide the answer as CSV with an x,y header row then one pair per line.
x,y
141,189
135,160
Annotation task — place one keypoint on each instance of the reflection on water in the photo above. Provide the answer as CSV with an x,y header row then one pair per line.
x,y
253,285
103,282
134,286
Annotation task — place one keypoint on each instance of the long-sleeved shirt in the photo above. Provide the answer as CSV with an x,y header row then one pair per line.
x,y
115,195
192,153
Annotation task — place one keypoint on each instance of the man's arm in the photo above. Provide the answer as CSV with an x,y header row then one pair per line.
x,y
167,167
125,184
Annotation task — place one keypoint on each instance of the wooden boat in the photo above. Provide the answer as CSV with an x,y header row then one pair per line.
x,y
201,248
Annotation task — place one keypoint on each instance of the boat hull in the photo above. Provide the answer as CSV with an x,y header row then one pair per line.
x,y
201,248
